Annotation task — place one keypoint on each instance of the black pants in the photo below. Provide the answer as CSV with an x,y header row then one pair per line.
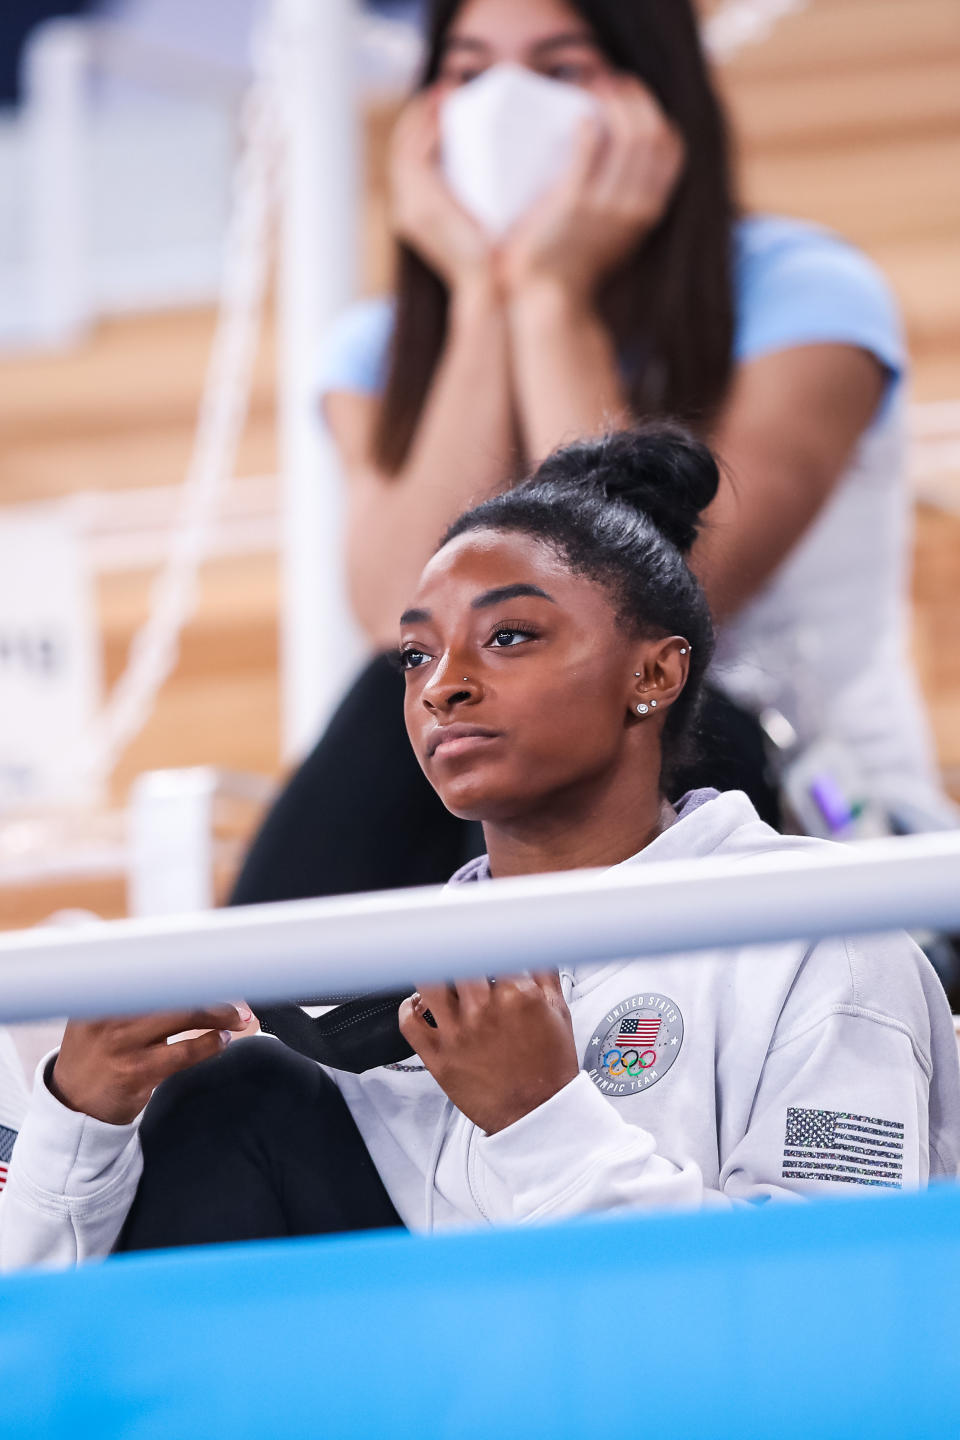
x,y
254,1144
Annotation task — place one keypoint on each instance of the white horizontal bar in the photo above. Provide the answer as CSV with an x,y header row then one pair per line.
x,y
309,948
93,862
131,529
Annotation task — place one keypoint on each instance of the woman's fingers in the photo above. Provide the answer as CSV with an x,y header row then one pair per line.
x,y
457,1008
184,1053
472,996
424,212
588,150
611,170
154,1029
645,153
416,124
633,129
549,982
407,1017
442,1002
415,141
420,1036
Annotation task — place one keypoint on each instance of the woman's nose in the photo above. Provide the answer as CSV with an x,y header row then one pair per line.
x,y
448,685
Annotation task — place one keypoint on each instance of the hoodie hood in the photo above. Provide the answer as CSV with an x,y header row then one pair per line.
x,y
708,822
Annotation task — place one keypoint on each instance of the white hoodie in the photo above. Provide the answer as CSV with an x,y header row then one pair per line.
x,y
769,1071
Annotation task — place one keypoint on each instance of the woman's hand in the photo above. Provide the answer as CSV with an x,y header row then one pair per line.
x,y
624,170
424,212
499,1048
110,1068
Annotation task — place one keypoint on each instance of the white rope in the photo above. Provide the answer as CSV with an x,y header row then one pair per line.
x,y
369,942
155,647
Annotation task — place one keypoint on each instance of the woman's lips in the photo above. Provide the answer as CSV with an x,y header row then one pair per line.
x,y
452,740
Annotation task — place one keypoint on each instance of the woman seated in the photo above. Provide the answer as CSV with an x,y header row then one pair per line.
x,y
553,653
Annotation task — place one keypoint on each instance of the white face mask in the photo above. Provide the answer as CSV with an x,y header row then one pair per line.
x,y
505,138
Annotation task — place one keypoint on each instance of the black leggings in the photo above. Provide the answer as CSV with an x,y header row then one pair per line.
x,y
254,1144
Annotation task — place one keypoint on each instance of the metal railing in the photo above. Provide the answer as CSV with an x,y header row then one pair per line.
x,y
357,943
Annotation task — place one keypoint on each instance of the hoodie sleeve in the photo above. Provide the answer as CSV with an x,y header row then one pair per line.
x,y
848,1100
576,1153
71,1181
841,1105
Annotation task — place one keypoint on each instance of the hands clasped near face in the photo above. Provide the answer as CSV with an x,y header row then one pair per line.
x,y
498,1048
617,187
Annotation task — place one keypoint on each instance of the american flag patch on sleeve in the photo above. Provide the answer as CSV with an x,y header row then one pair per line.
x,y
848,1149
7,1137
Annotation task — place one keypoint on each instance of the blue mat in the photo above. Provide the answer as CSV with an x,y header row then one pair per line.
x,y
837,1319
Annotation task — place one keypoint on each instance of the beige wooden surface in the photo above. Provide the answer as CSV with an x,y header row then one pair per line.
x,y
848,115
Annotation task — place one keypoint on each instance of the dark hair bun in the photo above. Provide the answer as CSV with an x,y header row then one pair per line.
x,y
660,470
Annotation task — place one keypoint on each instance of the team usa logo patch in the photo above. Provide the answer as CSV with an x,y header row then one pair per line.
x,y
634,1045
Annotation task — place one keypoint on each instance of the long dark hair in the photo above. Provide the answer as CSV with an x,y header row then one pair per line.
x,y
625,511
669,307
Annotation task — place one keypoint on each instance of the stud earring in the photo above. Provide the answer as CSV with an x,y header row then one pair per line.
x,y
642,709
683,649
653,704
636,674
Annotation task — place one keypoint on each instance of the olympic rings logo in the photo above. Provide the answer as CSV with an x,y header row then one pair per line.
x,y
633,1067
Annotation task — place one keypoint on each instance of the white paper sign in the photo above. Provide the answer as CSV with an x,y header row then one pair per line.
x,y
49,662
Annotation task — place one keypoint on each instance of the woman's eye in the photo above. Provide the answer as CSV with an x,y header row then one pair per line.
x,y
571,74
460,75
412,659
510,635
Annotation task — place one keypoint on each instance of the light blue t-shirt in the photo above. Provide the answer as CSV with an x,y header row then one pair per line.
x,y
825,640
795,284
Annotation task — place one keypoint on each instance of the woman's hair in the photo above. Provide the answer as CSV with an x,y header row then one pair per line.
x,y
624,511
669,306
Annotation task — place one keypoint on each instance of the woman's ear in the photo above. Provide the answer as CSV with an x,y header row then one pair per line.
x,y
660,673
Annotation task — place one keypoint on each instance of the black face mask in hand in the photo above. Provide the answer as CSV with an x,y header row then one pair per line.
x,y
362,1033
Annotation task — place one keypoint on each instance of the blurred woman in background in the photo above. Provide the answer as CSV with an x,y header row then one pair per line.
x,y
631,287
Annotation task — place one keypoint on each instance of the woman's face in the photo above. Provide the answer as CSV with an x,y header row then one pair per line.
x,y
547,36
519,678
